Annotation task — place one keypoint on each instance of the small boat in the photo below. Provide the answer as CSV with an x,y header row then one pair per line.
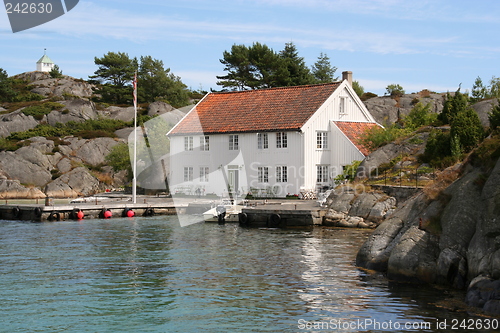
x,y
230,212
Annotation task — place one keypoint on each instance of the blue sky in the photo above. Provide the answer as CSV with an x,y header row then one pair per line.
x,y
434,45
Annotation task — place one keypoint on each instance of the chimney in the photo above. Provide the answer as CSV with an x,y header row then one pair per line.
x,y
347,75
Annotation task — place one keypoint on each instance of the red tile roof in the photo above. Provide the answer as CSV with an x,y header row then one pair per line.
x,y
353,131
275,109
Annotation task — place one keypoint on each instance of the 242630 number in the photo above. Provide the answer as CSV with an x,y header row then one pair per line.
x,y
29,8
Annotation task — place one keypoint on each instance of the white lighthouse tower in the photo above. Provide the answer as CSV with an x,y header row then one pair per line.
x,y
44,64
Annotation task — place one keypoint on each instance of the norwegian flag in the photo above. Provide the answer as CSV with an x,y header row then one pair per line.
x,y
135,89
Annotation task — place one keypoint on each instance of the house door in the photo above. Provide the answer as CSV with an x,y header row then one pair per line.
x,y
233,180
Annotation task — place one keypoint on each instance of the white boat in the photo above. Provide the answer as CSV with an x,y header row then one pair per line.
x,y
231,212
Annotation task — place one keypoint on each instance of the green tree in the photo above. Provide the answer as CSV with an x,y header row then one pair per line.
x,y
115,73
119,158
7,92
437,147
56,72
258,66
467,127
479,91
323,71
264,66
494,117
157,83
395,90
238,67
360,91
419,116
494,88
452,106
293,69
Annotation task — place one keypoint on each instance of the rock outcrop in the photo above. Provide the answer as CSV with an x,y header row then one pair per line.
x,y
66,86
451,240
78,182
16,121
61,167
43,165
388,110
366,210
12,189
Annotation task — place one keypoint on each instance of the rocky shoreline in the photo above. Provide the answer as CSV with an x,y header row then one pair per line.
x,y
450,240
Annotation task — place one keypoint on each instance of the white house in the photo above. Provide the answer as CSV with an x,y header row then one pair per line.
x,y
44,64
272,142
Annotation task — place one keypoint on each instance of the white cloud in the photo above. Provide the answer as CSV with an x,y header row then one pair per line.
x,y
93,19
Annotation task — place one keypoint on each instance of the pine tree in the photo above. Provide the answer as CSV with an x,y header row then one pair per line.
x,y
115,74
479,91
157,83
467,127
323,71
7,93
295,72
55,72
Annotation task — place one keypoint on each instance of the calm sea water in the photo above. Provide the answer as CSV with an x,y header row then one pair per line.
x,y
151,275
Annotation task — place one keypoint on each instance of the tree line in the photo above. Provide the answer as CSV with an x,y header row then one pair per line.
x,y
116,72
259,66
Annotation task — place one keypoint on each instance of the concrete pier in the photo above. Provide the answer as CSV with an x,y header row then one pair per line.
x,y
285,214
40,213
259,213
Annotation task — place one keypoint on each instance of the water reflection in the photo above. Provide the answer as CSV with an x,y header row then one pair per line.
x,y
151,275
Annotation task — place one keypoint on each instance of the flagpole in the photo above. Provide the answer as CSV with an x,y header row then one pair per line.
x,y
134,180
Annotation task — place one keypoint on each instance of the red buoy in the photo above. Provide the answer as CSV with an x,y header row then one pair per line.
x,y
130,213
80,215
107,214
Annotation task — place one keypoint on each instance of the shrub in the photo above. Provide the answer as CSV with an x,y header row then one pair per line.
x,y
8,145
349,172
39,111
467,129
419,116
494,117
93,134
89,129
488,153
395,90
379,136
119,158
366,96
437,148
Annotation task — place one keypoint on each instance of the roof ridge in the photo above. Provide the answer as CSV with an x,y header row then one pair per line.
x,y
278,88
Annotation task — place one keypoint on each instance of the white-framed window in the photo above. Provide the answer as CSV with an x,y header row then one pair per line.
x,y
263,174
322,140
204,143
342,106
233,142
281,174
281,140
188,143
322,173
262,141
204,172
188,174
